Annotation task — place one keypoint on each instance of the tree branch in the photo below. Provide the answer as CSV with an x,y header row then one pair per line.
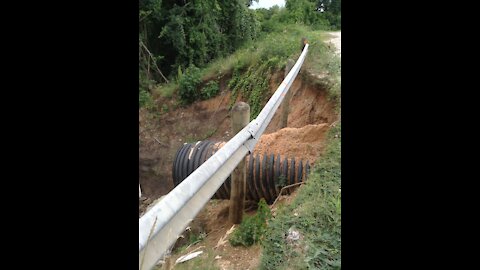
x,y
153,59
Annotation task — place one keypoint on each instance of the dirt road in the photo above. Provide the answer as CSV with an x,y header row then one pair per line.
x,y
336,40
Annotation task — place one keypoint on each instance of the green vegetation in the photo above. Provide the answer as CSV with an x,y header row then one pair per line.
x,y
254,66
186,48
252,228
166,90
210,90
184,33
214,38
145,100
165,108
193,238
188,85
315,214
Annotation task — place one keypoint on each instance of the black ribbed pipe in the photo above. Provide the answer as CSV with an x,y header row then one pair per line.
x,y
177,166
264,181
292,174
271,177
276,173
256,178
284,174
222,191
179,162
267,174
174,166
307,170
184,162
300,171
251,194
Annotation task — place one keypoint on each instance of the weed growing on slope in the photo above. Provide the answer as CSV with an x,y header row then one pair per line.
x,y
315,214
252,228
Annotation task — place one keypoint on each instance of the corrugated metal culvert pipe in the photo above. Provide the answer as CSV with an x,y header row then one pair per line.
x,y
267,174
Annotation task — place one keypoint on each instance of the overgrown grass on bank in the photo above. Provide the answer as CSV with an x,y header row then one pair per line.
x,y
252,66
315,214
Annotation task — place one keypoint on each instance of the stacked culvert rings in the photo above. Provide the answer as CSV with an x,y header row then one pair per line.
x,y
267,174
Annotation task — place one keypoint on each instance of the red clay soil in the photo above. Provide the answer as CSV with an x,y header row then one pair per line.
x,y
304,143
308,105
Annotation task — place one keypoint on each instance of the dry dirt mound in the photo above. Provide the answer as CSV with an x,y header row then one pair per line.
x,y
305,142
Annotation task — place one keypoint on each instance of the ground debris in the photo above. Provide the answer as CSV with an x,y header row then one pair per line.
x,y
223,240
292,235
189,256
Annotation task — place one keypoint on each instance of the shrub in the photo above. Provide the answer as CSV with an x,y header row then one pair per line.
x,y
253,227
145,100
210,90
188,85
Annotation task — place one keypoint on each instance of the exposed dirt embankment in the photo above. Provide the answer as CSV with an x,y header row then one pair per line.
x,y
305,142
162,135
308,105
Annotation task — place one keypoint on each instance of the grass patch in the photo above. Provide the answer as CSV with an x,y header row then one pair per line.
x,y
145,100
315,214
252,67
252,228
323,65
282,44
166,90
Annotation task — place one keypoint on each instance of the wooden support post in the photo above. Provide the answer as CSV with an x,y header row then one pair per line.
x,y
240,118
288,96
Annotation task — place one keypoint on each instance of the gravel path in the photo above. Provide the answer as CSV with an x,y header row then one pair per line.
x,y
337,41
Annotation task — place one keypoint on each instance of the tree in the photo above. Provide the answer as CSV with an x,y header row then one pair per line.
x,y
332,11
250,2
180,33
309,12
